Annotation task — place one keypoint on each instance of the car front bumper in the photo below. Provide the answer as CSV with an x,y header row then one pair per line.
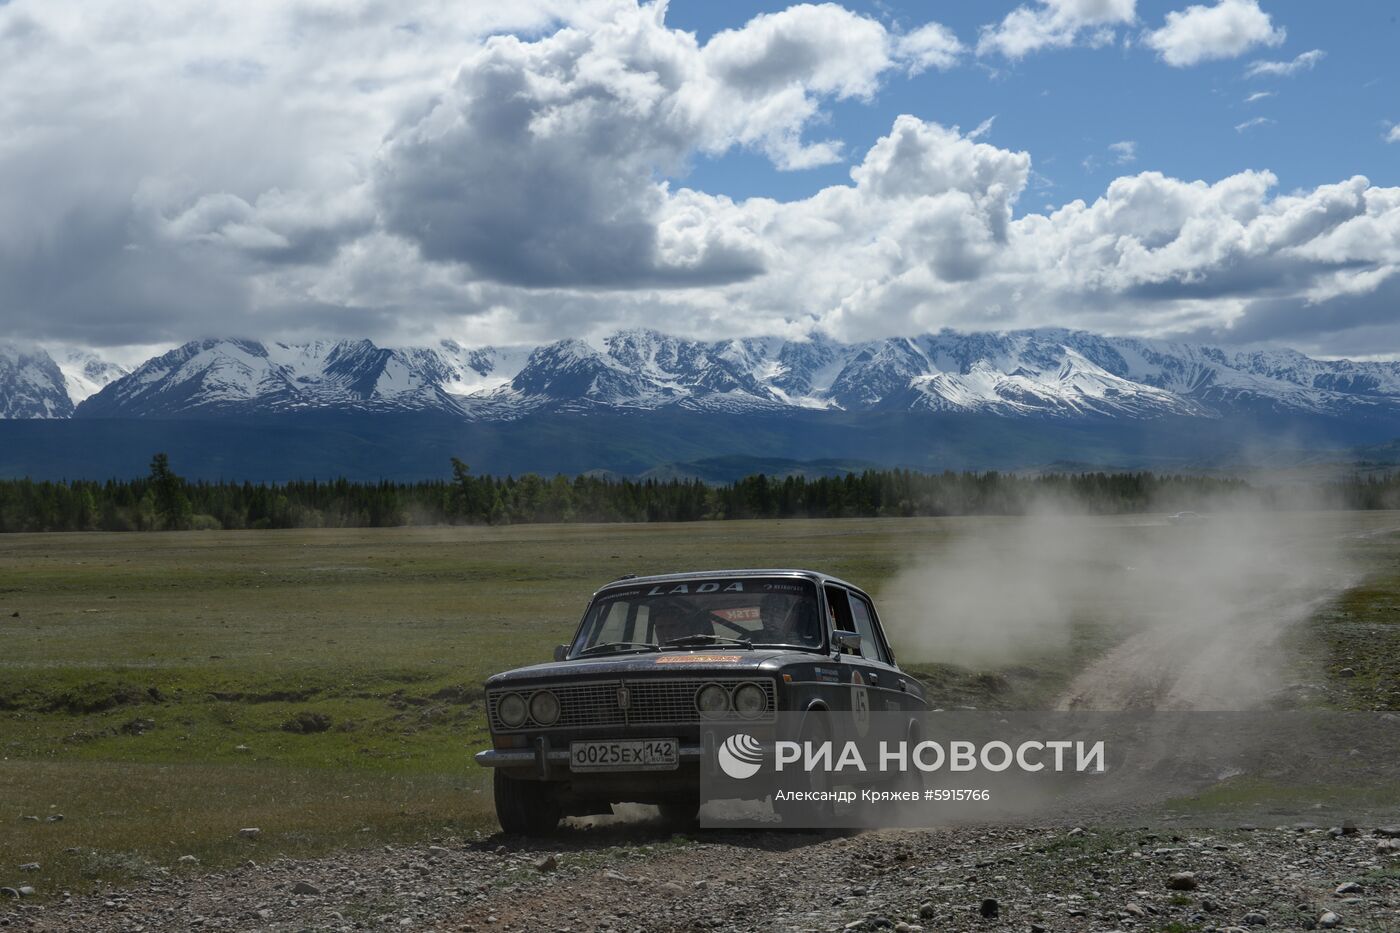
x,y
543,757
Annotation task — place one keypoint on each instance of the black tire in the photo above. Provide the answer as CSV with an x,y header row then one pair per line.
x,y
814,730
914,778
906,814
525,808
680,817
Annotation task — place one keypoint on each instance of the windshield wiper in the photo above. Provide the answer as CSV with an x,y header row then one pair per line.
x,y
707,640
619,646
785,644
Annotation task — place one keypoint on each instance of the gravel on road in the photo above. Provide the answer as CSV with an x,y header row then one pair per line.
x,y
636,878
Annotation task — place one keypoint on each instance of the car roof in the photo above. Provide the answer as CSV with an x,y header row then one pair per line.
x,y
814,575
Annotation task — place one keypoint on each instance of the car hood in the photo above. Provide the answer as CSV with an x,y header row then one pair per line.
x,y
719,660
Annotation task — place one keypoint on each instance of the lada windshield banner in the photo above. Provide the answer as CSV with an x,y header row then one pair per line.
x,y
870,769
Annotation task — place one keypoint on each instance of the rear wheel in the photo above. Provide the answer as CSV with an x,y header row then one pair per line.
x,y
525,808
909,782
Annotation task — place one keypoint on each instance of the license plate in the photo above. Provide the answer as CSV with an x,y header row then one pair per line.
x,y
625,755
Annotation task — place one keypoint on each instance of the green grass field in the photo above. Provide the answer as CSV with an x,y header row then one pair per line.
x,y
162,691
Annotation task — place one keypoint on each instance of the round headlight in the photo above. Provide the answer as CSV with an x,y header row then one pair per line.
x,y
511,709
750,700
544,708
712,700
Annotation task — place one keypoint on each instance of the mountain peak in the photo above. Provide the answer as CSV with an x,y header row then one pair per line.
x,y
31,384
1049,373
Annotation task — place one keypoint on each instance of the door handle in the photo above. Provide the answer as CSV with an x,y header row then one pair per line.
x,y
874,680
903,686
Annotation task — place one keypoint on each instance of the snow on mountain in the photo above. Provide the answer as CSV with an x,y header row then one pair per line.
x,y
571,371
1076,386
31,384
245,376
879,372
637,369
1283,380
85,372
1048,373
474,371
803,371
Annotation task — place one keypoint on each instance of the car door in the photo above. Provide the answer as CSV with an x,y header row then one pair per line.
x,y
897,690
865,679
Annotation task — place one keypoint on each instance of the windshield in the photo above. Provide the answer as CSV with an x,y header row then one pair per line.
x,y
727,611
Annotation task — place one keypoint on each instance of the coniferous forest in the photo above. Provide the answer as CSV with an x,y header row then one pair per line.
x,y
162,500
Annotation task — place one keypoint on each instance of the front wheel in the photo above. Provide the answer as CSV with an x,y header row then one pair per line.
x,y
525,808
680,817
817,781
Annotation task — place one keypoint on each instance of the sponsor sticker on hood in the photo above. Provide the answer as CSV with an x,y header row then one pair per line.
x,y
699,659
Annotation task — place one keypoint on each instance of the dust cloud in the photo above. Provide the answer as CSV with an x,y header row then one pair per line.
x,y
1190,612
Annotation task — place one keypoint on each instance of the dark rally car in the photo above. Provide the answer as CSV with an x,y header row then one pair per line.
x,y
617,717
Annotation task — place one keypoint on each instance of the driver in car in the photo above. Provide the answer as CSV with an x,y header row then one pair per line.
x,y
791,622
671,621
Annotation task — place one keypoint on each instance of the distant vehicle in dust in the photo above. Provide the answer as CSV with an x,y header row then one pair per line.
x,y
1186,518
617,717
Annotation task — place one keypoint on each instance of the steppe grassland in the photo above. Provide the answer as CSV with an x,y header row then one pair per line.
x,y
162,691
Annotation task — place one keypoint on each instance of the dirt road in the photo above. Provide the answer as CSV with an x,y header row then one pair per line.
x,y
634,878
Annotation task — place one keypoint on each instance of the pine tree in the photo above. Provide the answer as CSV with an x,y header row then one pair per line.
x,y
172,506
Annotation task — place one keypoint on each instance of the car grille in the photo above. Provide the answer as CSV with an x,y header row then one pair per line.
x,y
649,702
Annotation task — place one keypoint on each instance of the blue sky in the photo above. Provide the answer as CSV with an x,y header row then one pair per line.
x,y
521,172
1067,106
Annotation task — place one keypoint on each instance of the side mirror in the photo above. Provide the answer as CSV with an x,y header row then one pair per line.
x,y
846,642
561,652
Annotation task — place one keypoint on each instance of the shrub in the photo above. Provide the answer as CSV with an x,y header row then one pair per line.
x,y
306,722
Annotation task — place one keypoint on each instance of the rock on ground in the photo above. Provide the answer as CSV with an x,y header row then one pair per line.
x,y
637,879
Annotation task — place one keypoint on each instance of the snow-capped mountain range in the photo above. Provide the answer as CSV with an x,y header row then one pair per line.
x,y
37,383
31,384
1048,373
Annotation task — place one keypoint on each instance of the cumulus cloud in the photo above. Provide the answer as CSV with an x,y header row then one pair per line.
x,y
932,45
163,164
526,180
543,163
1393,136
1153,255
233,154
1055,24
924,237
1205,252
763,78
1304,62
1203,33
